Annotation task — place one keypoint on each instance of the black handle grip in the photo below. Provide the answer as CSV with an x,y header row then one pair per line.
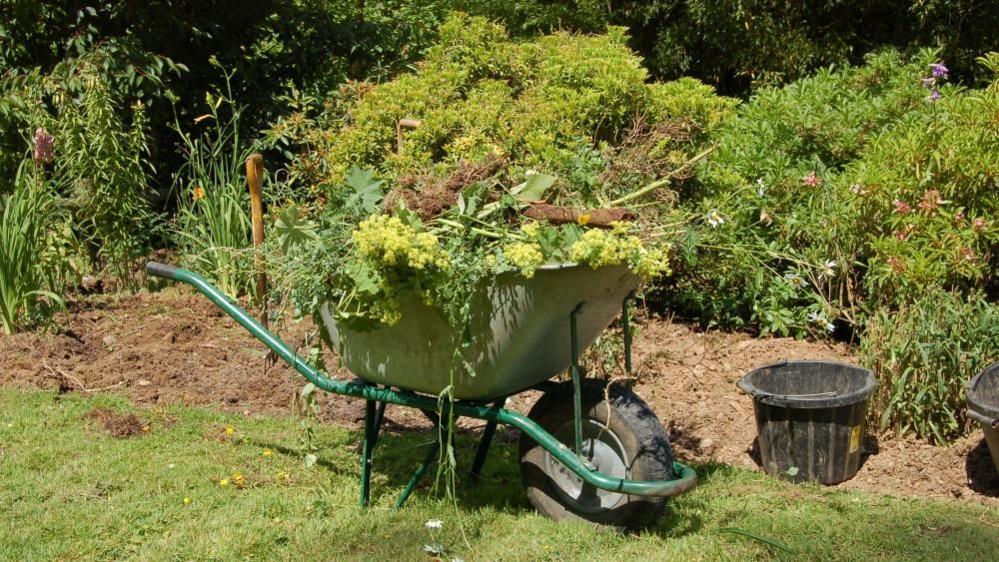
x,y
163,270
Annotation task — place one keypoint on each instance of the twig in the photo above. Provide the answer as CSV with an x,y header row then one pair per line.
x,y
77,381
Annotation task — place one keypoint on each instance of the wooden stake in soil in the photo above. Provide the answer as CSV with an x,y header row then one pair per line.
x,y
404,124
255,179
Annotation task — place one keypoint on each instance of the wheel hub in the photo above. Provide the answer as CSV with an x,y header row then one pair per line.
x,y
603,449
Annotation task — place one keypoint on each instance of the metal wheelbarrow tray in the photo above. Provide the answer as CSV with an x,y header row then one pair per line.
x,y
586,451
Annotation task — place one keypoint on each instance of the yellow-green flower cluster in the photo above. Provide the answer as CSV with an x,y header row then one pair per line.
x,y
390,242
602,247
653,263
525,256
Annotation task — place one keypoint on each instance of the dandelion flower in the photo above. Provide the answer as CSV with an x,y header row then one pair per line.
x,y
229,430
198,193
238,479
584,219
187,500
267,452
224,482
434,524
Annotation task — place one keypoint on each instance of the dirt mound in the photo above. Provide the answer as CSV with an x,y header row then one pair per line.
x,y
121,426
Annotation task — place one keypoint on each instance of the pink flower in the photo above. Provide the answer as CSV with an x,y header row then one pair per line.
x,y
901,207
904,234
43,146
812,179
931,200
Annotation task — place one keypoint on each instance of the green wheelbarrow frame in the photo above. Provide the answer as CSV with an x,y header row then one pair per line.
x,y
377,397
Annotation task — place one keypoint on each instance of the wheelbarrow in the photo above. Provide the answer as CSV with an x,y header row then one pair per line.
x,y
588,451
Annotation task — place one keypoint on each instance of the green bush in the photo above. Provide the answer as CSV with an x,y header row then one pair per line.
x,y
544,104
839,194
924,353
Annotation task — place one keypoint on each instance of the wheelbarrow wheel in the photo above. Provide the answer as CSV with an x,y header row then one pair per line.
x,y
622,437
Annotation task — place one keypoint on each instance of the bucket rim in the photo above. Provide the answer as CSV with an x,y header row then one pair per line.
x,y
976,402
808,402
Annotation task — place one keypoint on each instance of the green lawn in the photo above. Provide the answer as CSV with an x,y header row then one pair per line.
x,y
69,491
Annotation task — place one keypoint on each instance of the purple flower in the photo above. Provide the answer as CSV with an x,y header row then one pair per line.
x,y
939,70
935,95
43,146
929,82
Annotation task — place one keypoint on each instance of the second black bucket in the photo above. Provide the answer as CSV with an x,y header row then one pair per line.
x,y
983,407
810,418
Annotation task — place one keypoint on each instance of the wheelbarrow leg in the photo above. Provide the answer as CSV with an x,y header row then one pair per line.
x,y
367,447
577,374
418,475
428,459
487,439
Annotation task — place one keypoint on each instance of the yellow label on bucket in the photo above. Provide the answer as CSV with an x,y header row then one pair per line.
x,y
855,439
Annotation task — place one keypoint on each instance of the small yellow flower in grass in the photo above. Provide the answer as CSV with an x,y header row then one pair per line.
x,y
229,430
584,219
238,479
224,482
187,500
267,452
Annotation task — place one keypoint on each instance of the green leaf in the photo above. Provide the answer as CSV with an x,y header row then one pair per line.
x,y
534,188
364,278
365,191
293,228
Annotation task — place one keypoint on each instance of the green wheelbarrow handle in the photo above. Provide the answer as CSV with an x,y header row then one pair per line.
x,y
685,479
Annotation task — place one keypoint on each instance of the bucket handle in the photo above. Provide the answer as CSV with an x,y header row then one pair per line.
x,y
813,396
977,416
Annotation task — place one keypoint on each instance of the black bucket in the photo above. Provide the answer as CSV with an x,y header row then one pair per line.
x,y
810,418
983,407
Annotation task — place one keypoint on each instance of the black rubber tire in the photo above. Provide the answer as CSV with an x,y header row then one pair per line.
x,y
637,431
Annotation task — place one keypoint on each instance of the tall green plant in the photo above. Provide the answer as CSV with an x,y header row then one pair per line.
x,y
923,355
100,167
213,224
26,284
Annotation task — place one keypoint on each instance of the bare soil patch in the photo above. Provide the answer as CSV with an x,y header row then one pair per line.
x,y
176,347
117,425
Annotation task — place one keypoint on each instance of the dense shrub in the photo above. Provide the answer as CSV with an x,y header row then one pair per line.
x,y
736,44
843,191
546,104
924,353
